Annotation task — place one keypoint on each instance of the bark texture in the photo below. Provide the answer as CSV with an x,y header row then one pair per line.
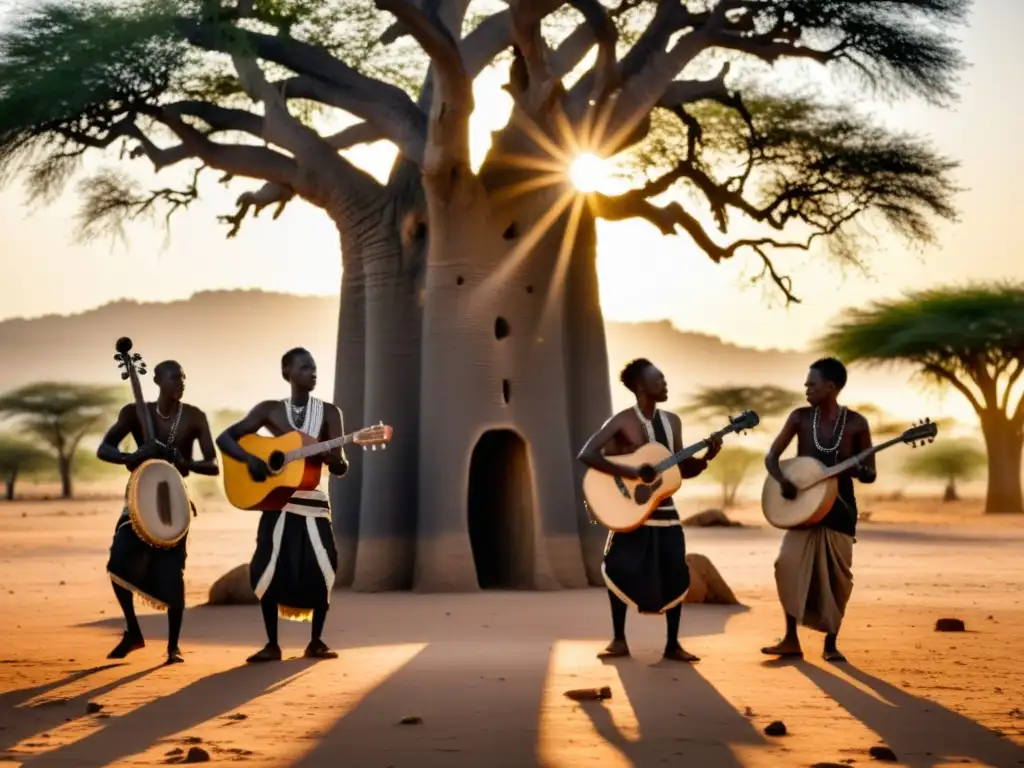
x,y
1004,444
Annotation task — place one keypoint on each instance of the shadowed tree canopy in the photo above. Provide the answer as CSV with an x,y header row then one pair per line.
x,y
950,461
692,96
719,403
59,415
968,338
19,457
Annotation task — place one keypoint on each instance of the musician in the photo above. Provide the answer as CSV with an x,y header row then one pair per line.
x,y
645,568
155,574
293,568
813,571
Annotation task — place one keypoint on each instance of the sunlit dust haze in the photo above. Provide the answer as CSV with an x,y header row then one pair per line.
x,y
644,276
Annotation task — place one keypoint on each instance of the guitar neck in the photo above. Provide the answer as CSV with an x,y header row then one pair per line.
x,y
317,448
851,462
688,452
145,417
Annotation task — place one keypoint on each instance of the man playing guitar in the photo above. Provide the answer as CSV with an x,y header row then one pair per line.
x,y
813,571
645,567
293,568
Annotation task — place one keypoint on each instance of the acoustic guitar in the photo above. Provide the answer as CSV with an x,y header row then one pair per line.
x,y
293,463
818,484
621,504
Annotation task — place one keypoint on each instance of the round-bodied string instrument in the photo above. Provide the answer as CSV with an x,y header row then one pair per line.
x,y
158,503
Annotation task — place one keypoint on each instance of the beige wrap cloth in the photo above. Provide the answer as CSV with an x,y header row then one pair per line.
x,y
814,577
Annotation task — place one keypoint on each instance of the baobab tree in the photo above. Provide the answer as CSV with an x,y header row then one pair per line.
x,y
470,318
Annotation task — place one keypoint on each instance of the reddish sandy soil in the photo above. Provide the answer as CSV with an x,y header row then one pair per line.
x,y
487,672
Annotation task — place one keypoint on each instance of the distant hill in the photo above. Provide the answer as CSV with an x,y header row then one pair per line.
x,y
230,344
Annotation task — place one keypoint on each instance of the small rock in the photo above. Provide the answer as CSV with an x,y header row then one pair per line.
x,y
710,518
748,712
233,588
92,708
411,720
237,717
950,625
64,582
706,583
883,753
589,694
192,740
776,728
197,755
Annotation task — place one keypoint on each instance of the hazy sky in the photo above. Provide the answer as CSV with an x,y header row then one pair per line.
x,y
644,275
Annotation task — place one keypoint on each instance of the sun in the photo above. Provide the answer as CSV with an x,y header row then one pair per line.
x,y
589,172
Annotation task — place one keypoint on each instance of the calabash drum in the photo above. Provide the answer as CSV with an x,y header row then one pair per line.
x,y
158,504
812,503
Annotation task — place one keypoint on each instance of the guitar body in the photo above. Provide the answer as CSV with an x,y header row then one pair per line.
x,y
623,505
273,493
811,504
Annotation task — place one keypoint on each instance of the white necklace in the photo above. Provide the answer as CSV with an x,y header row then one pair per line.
x,y
839,427
648,425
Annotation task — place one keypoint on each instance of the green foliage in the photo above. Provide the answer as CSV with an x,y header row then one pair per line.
x,y
18,455
948,460
961,332
59,414
730,468
719,403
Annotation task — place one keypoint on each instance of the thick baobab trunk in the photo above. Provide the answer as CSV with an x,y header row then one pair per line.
x,y
586,368
1004,443
497,507
349,374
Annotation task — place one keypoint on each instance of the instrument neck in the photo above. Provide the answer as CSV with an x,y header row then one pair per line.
x,y
853,461
316,448
688,452
145,417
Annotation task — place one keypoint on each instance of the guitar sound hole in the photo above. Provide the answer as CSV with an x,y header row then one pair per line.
x,y
163,502
642,494
276,461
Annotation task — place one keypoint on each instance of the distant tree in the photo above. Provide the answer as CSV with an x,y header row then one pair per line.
x,y
970,338
60,415
223,418
719,403
18,457
730,468
950,461
886,425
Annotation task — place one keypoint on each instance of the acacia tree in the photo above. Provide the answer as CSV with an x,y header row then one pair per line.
x,y
469,297
719,403
59,415
17,457
970,339
730,468
950,461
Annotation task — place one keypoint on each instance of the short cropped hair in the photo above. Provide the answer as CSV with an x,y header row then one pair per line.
x,y
832,370
164,368
630,376
289,357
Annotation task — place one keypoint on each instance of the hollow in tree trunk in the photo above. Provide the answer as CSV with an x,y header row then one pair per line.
x,y
493,361
1004,443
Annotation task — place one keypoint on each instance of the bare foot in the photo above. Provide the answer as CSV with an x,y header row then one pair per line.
x,y
833,655
787,649
128,644
616,649
677,653
318,650
174,657
270,652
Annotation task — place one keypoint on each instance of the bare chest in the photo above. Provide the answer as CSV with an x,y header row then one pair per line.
x,y
820,440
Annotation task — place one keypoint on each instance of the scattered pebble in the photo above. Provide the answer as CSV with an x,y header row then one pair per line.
x,y
589,694
197,755
175,751
950,625
92,708
883,753
411,720
775,728
748,712
237,716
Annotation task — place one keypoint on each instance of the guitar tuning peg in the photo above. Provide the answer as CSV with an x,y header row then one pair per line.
x,y
384,447
117,357
373,448
927,420
124,376
913,445
136,356
931,439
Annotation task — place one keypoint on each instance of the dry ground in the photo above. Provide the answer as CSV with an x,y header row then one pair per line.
x,y
486,672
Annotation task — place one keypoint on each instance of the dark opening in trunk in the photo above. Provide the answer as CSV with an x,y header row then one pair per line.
x,y
501,511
